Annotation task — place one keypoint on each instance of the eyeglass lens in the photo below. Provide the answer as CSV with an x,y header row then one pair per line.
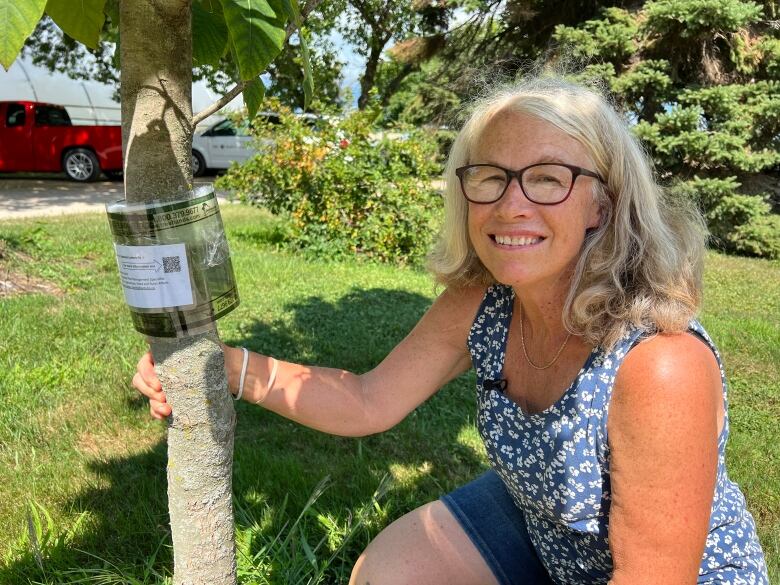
x,y
546,183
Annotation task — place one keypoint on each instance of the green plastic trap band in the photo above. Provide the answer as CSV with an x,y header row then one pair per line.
x,y
174,263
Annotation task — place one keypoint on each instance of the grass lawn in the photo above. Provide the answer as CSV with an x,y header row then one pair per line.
x,y
82,465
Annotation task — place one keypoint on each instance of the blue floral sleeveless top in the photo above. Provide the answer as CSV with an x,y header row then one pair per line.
x,y
555,464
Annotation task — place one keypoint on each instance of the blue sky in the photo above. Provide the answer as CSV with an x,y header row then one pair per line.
x,y
354,64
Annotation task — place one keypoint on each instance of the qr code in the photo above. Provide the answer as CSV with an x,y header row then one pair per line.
x,y
171,264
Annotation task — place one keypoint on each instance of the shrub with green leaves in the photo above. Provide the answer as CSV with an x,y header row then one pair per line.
x,y
347,189
692,18
743,223
738,223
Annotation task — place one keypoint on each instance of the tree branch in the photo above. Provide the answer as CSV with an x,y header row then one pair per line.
x,y
365,13
219,104
239,87
395,83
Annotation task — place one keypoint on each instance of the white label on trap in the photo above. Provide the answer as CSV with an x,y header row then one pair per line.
x,y
155,277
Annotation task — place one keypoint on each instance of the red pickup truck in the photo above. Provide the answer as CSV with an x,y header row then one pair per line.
x,y
40,137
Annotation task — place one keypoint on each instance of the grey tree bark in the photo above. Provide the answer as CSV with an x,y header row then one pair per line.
x,y
156,78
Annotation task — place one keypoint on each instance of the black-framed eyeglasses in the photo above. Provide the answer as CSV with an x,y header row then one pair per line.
x,y
542,183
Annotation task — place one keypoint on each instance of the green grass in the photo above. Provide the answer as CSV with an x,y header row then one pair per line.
x,y
82,465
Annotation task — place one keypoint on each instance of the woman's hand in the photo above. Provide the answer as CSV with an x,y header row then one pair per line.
x,y
148,384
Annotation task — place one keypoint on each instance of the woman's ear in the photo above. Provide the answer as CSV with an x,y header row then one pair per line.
x,y
594,219
597,211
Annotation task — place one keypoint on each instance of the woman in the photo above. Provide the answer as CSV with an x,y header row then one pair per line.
x,y
571,285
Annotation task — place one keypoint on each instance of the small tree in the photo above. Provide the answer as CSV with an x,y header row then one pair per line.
x,y
157,52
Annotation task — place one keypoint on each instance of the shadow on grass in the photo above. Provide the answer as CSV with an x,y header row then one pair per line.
x,y
124,523
278,463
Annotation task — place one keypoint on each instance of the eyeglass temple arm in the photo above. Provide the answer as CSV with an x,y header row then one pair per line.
x,y
587,173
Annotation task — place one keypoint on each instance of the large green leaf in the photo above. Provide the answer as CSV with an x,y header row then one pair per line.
x,y
209,32
256,33
294,14
81,20
254,92
17,21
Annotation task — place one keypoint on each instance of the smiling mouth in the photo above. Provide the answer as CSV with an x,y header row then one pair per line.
x,y
516,242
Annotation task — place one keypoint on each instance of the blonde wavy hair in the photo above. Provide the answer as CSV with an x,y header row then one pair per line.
x,y
642,266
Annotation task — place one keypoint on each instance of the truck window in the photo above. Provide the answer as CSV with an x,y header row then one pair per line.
x,y
269,118
51,116
15,115
224,128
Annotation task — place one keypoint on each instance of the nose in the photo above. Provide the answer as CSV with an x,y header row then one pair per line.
x,y
514,203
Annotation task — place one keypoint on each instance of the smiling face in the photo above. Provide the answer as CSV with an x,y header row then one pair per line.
x,y
522,243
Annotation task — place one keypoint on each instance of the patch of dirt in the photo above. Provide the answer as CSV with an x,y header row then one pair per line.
x,y
109,445
15,282
87,261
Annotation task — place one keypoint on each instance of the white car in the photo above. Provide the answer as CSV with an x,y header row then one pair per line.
x,y
222,144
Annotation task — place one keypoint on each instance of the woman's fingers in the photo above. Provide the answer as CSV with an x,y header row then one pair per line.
x,y
147,383
142,385
145,367
159,410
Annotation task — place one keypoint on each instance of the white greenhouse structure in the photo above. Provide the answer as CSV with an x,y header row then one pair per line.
x,y
87,102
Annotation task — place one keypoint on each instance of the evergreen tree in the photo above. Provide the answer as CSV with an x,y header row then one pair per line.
x,y
699,80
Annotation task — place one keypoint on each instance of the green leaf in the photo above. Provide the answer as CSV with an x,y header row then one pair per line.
x,y
17,21
256,33
254,92
116,60
308,76
209,33
81,20
294,14
308,552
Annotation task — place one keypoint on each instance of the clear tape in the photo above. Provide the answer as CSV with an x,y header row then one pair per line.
x,y
164,301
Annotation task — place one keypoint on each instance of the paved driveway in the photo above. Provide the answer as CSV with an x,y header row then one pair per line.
x,y
38,195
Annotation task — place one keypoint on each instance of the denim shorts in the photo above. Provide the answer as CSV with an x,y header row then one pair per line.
x,y
496,526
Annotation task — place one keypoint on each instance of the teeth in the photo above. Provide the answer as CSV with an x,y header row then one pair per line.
x,y
525,241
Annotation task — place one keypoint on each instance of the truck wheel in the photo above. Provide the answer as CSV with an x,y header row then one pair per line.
x,y
81,165
198,164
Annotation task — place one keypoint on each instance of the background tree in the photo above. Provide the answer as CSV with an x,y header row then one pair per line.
x,y
372,25
286,71
157,53
699,80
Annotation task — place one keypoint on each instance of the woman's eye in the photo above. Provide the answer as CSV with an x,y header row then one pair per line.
x,y
484,175
547,179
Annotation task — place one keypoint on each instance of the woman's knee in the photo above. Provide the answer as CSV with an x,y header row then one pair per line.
x,y
427,545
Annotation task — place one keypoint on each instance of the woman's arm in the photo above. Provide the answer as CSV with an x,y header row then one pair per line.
x,y
340,402
663,427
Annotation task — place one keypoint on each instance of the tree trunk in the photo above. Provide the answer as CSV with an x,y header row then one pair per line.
x,y
367,81
395,83
156,72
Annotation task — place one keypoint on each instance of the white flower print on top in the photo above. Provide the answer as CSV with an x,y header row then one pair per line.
x,y
555,464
